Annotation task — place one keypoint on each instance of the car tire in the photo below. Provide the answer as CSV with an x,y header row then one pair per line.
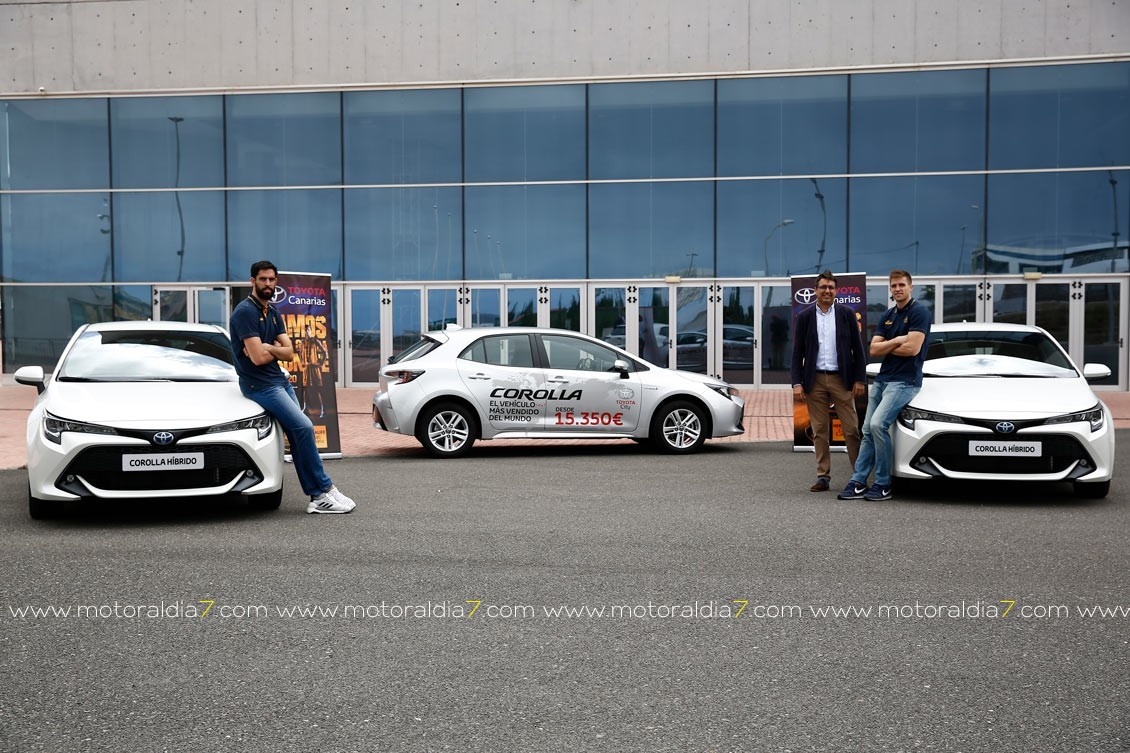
x,y
269,501
43,509
1095,490
447,430
678,428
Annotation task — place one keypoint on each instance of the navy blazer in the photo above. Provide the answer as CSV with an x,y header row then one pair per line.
x,y
849,348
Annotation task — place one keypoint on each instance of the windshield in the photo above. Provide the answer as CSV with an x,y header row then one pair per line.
x,y
997,353
148,355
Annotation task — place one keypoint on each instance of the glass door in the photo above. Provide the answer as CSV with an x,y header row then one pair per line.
x,y
191,304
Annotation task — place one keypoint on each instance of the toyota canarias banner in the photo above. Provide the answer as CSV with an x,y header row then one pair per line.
x,y
851,291
304,301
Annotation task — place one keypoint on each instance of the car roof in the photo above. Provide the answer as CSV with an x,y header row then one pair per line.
x,y
983,327
151,326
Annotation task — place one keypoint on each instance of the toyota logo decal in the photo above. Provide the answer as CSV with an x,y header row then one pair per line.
x,y
805,296
1005,427
163,437
280,294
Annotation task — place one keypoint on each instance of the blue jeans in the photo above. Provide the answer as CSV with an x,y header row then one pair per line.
x,y
875,449
282,403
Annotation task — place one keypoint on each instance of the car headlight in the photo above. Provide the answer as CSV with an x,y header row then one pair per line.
x,y
724,390
908,415
53,428
1093,416
262,424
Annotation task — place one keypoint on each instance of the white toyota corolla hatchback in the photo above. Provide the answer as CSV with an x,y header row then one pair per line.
x,y
147,409
1004,402
458,385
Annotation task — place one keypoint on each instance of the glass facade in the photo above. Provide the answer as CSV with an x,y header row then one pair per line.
x,y
991,170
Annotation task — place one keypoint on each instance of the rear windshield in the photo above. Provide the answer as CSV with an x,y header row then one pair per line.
x,y
417,349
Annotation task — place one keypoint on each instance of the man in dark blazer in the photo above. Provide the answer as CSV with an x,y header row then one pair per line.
x,y
829,366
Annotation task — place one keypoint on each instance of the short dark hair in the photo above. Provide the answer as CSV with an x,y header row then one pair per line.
x,y
901,273
259,266
826,275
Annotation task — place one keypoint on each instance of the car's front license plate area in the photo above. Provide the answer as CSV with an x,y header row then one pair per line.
x,y
1004,448
174,461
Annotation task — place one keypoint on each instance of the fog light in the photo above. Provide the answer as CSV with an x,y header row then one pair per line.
x,y
70,479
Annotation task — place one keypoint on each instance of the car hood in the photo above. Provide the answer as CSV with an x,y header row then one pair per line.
x,y
1014,397
170,405
695,377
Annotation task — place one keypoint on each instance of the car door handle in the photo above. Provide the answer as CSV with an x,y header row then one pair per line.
x,y
480,375
557,380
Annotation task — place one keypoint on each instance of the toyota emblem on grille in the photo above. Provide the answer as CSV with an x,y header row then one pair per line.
x,y
1005,427
163,437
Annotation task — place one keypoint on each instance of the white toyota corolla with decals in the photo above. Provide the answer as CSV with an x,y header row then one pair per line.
x,y
147,409
458,385
1004,402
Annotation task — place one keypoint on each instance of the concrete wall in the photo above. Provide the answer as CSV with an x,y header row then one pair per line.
x,y
146,45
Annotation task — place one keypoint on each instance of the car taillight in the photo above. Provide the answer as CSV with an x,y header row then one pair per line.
x,y
405,376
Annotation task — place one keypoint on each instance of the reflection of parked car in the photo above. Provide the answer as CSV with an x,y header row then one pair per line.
x,y
691,351
616,336
1004,402
138,410
738,344
459,385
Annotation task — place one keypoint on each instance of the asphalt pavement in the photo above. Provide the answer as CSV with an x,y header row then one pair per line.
x,y
592,598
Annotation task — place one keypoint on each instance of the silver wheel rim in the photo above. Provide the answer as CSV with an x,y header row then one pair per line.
x,y
448,431
681,428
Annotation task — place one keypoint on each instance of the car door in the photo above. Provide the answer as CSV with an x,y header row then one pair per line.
x,y
585,392
498,371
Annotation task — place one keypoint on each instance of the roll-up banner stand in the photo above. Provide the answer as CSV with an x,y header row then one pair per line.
x,y
304,301
851,291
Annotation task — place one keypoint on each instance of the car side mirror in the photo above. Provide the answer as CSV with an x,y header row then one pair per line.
x,y
1090,371
33,377
622,366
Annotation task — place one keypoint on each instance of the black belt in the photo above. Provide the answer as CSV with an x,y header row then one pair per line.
x,y
826,371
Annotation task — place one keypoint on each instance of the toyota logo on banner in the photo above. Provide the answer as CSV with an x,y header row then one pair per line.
x,y
280,294
805,296
163,437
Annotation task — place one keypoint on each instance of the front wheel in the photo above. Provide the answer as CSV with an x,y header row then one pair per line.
x,y
678,428
1096,490
446,430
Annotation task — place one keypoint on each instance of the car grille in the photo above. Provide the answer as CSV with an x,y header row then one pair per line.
x,y
951,451
102,467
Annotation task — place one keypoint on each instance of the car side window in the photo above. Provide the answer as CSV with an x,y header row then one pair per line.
x,y
576,354
501,350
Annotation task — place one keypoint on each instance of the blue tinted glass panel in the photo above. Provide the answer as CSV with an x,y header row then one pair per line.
x,y
403,234
1059,222
300,231
55,237
1059,116
57,143
651,130
167,142
776,228
39,321
525,133
403,137
927,226
650,229
782,126
525,232
284,139
918,121
151,230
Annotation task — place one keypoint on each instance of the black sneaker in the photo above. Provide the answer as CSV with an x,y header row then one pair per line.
x,y
878,493
853,490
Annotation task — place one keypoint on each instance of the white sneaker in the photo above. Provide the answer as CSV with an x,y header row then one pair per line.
x,y
335,494
324,503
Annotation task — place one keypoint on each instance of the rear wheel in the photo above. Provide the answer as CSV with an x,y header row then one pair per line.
x,y
1095,490
678,428
42,509
446,430
269,501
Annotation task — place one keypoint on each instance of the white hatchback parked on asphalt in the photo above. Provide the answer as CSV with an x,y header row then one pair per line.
x,y
459,385
143,410
1004,402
